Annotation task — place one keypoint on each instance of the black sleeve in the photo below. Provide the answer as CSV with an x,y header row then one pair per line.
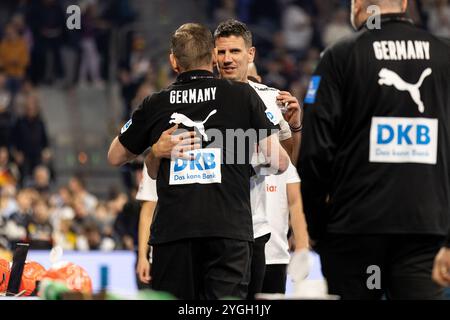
x,y
260,117
322,112
135,134
447,242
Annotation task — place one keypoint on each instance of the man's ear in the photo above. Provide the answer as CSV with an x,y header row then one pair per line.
x,y
214,57
174,63
251,54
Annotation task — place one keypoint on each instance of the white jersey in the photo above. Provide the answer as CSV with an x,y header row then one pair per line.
x,y
147,187
261,224
269,96
147,192
277,207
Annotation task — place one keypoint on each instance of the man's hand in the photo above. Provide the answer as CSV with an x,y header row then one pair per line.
x,y
143,270
441,268
171,145
294,112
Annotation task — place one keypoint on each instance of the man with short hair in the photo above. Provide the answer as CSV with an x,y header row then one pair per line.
x,y
202,230
235,53
375,154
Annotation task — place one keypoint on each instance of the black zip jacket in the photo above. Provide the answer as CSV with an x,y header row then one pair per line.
x,y
375,155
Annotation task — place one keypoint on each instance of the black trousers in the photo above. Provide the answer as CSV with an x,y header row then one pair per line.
x,y
275,278
258,267
202,268
368,267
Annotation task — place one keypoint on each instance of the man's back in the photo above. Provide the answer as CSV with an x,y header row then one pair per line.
x,y
209,195
384,102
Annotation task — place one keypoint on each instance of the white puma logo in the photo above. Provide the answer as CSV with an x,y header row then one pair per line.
x,y
389,78
178,118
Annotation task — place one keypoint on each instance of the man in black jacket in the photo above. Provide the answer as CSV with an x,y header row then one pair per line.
x,y
375,156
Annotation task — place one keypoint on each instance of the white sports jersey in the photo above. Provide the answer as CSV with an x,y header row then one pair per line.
x,y
147,192
269,96
147,187
277,207
261,224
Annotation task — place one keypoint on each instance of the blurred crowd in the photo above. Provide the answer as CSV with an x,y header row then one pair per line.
x,y
290,34
34,45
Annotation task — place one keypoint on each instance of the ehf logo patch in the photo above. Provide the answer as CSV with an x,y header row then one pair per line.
x,y
272,117
126,126
403,140
313,87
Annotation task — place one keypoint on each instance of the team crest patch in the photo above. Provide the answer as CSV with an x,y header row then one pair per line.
x,y
312,89
126,126
271,117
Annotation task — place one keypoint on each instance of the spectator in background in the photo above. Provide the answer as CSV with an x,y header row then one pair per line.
x,y
63,235
77,186
8,203
226,11
116,202
41,181
30,142
47,20
104,219
5,94
5,112
439,19
95,240
134,70
39,229
90,58
9,173
17,222
126,224
14,57
338,28
274,77
297,29
18,21
61,199
82,216
27,89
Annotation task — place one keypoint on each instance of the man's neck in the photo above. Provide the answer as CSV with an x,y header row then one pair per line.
x,y
201,68
383,11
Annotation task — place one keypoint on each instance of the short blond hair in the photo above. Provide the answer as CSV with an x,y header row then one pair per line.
x,y
192,45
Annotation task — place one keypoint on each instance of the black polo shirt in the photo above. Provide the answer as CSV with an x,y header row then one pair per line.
x,y
210,196
375,154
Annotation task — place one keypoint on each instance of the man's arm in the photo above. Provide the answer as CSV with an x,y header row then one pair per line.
x,y
152,162
441,267
276,157
170,146
297,217
145,219
293,116
322,115
118,154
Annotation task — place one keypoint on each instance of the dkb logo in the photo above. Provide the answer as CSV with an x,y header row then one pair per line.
x,y
208,162
403,140
402,134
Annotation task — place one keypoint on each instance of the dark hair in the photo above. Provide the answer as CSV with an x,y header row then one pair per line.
x,y
192,45
236,28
